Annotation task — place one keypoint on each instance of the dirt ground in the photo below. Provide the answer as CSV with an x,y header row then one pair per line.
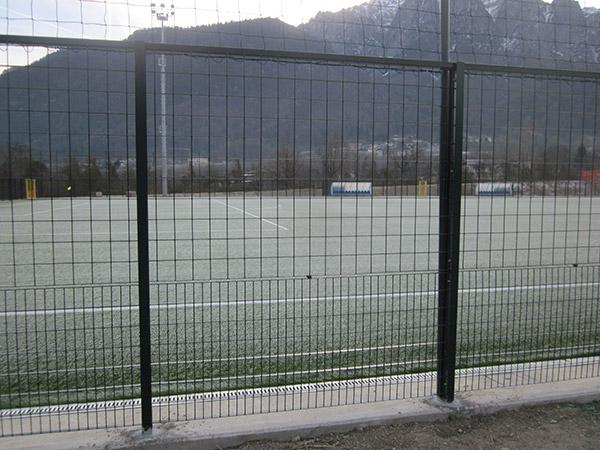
x,y
564,426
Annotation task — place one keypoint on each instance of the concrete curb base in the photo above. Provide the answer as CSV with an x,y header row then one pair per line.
x,y
231,431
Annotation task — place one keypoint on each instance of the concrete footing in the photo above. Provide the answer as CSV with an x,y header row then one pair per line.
x,y
229,431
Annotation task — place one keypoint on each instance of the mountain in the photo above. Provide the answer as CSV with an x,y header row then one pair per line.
x,y
80,103
267,33
523,32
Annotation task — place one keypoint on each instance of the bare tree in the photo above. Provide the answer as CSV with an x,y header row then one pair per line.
x,y
284,168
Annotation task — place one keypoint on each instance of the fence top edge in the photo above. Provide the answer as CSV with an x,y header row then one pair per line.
x,y
494,69
298,56
130,45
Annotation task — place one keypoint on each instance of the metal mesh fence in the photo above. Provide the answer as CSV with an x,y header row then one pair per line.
x,y
530,196
529,251
67,123
67,244
289,343
254,150
247,195
68,353
313,224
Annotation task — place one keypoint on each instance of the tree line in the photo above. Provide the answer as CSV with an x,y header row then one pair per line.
x,y
284,169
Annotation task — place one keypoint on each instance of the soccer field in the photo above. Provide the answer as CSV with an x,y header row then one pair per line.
x,y
280,290
81,241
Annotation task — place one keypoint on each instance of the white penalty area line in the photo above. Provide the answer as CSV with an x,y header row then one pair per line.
x,y
132,234
243,211
246,303
35,212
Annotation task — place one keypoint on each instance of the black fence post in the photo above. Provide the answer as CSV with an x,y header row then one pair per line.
x,y
449,243
141,175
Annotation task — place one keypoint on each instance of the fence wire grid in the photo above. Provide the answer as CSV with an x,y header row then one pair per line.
x,y
293,222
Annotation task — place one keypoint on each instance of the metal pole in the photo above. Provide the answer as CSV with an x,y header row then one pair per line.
x,y
163,114
449,251
446,339
141,175
444,29
445,149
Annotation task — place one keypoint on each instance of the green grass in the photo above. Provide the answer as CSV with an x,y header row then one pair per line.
x,y
79,342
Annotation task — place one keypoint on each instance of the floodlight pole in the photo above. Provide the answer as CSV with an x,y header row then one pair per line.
x,y
444,29
163,13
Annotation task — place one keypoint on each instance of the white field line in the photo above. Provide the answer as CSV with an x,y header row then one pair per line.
x,y
319,371
132,233
299,354
226,304
233,358
77,233
243,211
52,209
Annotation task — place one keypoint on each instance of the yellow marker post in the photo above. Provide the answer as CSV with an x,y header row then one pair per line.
x,y
423,188
30,188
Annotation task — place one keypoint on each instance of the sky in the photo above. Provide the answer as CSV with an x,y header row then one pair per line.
x,y
117,19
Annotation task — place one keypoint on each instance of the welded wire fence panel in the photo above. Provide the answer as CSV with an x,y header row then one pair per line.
x,y
67,239
261,345
530,175
70,356
299,175
67,124
543,319
529,246
245,179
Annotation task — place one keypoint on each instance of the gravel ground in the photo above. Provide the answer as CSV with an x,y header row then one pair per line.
x,y
564,426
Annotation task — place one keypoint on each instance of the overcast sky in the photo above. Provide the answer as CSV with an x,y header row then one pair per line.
x,y
116,19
